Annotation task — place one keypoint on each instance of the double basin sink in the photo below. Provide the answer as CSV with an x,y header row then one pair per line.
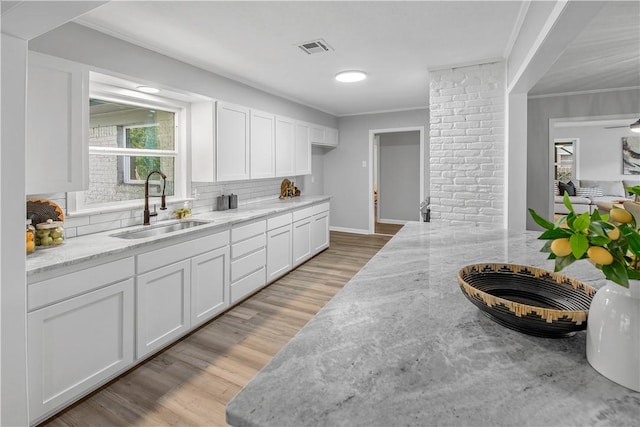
x,y
159,230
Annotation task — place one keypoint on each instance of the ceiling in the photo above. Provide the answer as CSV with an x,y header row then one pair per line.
x,y
395,42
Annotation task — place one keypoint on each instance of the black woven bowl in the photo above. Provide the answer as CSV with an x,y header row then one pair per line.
x,y
528,299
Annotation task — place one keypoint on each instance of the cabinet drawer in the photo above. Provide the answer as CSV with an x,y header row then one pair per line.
x,y
302,214
248,285
40,294
160,257
245,231
279,221
247,246
322,207
248,264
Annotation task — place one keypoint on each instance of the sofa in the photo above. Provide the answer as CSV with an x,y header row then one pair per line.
x,y
585,194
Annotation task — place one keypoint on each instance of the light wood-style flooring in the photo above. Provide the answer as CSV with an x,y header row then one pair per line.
x,y
390,229
191,382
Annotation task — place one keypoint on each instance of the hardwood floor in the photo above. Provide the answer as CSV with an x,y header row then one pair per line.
x,y
191,382
391,229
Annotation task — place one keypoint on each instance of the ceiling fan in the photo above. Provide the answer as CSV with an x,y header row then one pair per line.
x,y
635,127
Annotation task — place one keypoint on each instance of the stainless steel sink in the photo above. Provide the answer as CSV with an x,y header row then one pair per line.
x,y
159,230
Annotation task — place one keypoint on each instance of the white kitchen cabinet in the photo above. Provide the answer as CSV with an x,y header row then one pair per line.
x,y
57,125
162,306
279,246
320,228
317,134
301,240
209,285
285,146
302,149
232,142
332,137
203,147
248,259
263,134
77,344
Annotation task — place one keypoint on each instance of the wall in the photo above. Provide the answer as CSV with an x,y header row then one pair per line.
x,y
468,144
599,153
313,185
540,111
346,180
399,168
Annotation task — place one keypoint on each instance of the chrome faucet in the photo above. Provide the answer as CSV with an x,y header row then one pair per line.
x,y
163,205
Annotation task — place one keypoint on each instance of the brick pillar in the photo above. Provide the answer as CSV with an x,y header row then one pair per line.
x,y
467,144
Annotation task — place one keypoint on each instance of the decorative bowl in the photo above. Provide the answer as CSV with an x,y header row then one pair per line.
x,y
528,299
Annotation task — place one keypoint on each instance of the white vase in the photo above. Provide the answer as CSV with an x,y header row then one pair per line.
x,y
613,333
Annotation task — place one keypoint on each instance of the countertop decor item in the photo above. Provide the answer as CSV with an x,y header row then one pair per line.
x,y
40,210
612,243
528,299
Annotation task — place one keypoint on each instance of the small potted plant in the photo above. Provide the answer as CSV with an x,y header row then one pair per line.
x,y
612,243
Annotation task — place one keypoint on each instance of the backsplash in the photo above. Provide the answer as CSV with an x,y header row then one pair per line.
x,y
247,192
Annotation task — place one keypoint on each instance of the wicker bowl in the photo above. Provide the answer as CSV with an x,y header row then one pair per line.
x,y
528,299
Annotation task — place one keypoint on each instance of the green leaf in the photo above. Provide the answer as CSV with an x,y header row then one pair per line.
x,y
595,216
563,261
540,221
582,222
599,241
598,228
616,272
556,233
579,245
567,202
547,247
631,237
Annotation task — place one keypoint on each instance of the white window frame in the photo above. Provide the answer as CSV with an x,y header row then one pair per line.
x,y
147,153
124,96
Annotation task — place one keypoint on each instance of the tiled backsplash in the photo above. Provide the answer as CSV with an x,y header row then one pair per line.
x,y
206,193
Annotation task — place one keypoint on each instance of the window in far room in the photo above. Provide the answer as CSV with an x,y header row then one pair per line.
x,y
564,160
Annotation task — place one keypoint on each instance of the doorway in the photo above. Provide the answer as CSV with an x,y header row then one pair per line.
x,y
396,181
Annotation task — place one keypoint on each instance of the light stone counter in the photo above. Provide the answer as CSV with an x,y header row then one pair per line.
x,y
98,246
401,345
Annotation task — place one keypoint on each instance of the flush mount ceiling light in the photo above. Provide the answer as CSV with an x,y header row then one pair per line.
x,y
148,89
351,76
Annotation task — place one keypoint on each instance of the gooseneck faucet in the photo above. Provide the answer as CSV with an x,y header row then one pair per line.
x,y
163,205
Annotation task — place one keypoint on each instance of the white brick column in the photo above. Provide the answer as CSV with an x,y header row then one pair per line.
x,y
467,143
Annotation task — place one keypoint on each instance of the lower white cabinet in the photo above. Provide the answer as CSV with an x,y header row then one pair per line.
x,y
162,306
77,344
209,285
279,246
320,229
301,241
248,259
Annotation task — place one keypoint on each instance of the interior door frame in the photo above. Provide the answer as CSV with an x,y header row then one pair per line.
x,y
372,134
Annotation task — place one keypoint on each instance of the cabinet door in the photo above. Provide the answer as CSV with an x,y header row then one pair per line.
x,y
78,343
332,137
285,147
163,306
203,141
209,285
318,134
320,232
57,125
301,241
232,142
303,149
262,145
279,258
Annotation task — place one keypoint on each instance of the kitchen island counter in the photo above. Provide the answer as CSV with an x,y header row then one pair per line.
x,y
401,345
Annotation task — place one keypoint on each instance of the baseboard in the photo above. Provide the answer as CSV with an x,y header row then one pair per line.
x,y
349,230
392,221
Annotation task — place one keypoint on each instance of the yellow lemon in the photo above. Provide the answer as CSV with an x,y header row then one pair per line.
x,y
620,215
561,247
599,255
614,234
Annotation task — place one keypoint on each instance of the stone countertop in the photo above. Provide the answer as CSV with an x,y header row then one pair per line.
x,y
93,246
401,345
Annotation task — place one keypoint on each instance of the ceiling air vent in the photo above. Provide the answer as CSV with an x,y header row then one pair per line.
x,y
315,46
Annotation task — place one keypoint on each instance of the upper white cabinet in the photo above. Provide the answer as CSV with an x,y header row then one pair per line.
x,y
325,136
262,144
57,125
303,149
285,146
232,142
203,154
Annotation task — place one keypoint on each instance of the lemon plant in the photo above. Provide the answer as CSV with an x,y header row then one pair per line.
x,y
610,241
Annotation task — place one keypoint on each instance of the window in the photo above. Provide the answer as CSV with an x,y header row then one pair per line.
x,y
564,160
128,139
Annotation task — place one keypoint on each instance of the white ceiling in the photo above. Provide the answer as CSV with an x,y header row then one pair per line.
x,y
395,42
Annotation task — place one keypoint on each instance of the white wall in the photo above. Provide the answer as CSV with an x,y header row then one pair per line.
x,y
84,45
398,174
313,185
599,151
540,111
345,180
